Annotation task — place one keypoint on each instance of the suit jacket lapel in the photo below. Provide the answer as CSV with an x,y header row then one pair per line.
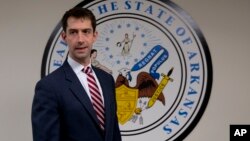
x,y
78,90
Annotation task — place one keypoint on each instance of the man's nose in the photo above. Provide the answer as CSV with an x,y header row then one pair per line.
x,y
81,38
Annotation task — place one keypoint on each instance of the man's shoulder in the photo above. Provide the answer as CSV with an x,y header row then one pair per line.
x,y
100,71
103,75
53,76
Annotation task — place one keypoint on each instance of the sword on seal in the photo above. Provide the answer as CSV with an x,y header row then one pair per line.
x,y
160,87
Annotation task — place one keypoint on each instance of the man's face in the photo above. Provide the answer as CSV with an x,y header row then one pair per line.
x,y
79,37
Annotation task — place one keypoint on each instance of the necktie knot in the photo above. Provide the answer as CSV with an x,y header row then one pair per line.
x,y
87,70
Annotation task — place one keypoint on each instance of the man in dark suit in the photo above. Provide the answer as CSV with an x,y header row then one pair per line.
x,y
62,107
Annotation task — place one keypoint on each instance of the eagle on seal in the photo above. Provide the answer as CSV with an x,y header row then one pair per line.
x,y
145,84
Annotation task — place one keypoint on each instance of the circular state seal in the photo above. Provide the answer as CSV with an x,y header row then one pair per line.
x,y
160,62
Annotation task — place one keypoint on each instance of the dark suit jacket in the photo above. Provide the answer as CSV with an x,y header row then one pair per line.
x,y
62,110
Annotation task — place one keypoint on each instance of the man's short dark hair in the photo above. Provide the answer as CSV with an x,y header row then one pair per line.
x,y
78,12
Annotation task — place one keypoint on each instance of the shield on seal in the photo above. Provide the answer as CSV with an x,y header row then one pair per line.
x,y
126,99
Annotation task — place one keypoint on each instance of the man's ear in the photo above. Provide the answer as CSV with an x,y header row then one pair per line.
x,y
95,35
63,35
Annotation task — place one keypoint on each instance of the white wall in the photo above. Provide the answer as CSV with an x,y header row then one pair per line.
x,y
26,25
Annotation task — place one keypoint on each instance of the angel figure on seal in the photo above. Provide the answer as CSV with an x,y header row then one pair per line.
x,y
127,44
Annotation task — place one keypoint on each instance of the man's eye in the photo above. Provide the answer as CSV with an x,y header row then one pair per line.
x,y
87,31
72,32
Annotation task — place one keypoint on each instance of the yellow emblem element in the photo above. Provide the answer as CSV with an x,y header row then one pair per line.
x,y
126,99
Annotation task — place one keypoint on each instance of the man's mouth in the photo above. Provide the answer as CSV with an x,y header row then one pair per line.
x,y
80,48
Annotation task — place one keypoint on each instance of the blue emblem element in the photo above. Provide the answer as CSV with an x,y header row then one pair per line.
x,y
157,63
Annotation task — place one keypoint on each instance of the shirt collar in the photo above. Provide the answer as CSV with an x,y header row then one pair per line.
x,y
77,67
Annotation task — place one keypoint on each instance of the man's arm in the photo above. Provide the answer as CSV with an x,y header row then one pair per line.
x,y
117,133
45,122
